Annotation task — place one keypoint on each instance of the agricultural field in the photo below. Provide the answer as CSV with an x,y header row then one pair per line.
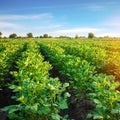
x,y
60,79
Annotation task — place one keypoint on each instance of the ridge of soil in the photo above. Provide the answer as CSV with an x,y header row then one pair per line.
x,y
5,97
6,93
76,110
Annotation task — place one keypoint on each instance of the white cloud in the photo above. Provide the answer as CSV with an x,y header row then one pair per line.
x,y
99,32
46,23
108,31
114,21
48,26
27,17
110,34
4,25
12,23
73,31
78,30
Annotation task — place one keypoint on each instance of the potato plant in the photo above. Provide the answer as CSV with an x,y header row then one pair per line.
x,y
100,89
39,96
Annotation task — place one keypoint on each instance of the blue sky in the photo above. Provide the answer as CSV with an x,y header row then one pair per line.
x,y
63,17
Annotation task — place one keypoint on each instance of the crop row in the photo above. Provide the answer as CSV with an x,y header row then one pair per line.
x,y
40,97
104,55
100,89
7,60
104,60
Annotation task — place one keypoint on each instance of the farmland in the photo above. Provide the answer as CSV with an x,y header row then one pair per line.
x,y
60,78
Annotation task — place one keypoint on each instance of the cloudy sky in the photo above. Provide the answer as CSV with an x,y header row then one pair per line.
x,y
60,17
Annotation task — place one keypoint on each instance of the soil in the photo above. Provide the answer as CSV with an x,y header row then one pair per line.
x,y
6,94
5,100
77,110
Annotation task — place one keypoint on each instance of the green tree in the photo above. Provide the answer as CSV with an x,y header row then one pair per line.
x,y
41,36
29,35
14,35
91,35
0,34
45,36
76,36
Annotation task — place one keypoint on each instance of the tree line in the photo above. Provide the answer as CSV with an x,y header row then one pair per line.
x,y
30,35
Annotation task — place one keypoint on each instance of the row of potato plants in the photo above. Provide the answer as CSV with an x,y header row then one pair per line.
x,y
99,88
105,62
111,64
2,47
40,97
7,59
96,53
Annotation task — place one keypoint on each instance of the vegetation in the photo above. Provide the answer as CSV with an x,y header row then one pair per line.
x,y
0,34
45,36
39,96
91,67
76,36
91,35
29,35
14,35
85,80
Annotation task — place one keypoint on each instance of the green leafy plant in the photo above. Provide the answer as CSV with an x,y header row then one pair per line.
x,y
39,96
100,89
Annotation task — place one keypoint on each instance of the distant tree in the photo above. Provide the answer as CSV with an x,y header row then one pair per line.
x,y
61,36
29,35
0,34
76,36
91,35
45,36
36,37
50,37
106,36
5,37
41,36
64,36
82,36
14,35
19,37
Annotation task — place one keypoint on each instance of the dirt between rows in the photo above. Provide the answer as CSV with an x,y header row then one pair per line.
x,y
5,100
6,94
77,110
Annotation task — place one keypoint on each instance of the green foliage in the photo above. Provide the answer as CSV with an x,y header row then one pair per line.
x,y
29,35
76,36
39,96
91,35
92,67
7,58
45,36
105,97
99,88
94,55
0,34
14,35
